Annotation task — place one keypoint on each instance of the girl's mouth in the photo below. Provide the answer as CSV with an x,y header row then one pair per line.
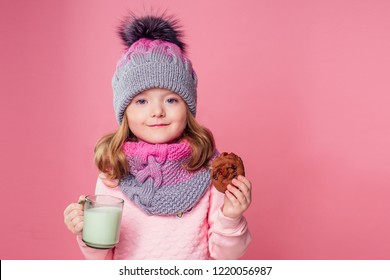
x,y
158,125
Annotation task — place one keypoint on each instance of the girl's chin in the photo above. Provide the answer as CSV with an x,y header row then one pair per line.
x,y
160,141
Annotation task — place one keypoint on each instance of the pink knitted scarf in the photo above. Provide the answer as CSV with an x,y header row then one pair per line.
x,y
158,182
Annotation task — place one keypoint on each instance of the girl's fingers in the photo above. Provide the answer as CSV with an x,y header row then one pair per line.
x,y
245,181
81,199
74,215
244,185
79,227
233,200
71,214
237,194
75,220
71,207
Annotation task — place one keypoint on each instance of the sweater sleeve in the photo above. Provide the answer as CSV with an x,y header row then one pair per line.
x,y
228,238
88,252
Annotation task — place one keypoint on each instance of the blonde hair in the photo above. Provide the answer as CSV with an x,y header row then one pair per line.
x,y
111,160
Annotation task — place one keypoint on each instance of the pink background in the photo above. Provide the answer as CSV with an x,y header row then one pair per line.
x,y
299,89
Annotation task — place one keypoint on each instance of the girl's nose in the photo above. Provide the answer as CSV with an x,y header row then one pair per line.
x,y
157,111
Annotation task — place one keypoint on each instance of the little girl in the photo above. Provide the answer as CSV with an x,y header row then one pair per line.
x,y
158,160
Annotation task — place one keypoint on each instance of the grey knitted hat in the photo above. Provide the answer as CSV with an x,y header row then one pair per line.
x,y
154,58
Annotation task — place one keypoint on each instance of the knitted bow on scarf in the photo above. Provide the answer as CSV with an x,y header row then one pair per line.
x,y
153,163
157,181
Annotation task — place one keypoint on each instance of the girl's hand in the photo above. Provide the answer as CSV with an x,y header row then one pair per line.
x,y
237,197
74,216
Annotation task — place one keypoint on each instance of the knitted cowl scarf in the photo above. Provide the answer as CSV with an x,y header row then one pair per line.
x,y
157,181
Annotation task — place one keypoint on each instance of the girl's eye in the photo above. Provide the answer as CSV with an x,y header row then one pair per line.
x,y
172,100
141,101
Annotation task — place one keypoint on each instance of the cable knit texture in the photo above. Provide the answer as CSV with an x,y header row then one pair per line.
x,y
158,182
202,233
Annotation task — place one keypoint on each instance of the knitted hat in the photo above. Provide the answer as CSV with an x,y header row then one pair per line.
x,y
154,58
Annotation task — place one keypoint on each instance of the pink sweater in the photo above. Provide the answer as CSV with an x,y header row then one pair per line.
x,y
202,233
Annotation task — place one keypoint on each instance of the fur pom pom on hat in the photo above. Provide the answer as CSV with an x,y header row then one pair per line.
x,y
154,58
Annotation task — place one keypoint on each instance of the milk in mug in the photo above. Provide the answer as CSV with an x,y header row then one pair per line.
x,y
101,226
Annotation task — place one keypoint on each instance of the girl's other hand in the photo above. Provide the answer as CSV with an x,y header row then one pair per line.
x,y
74,216
238,197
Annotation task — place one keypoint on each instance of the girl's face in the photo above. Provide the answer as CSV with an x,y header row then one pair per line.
x,y
157,116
